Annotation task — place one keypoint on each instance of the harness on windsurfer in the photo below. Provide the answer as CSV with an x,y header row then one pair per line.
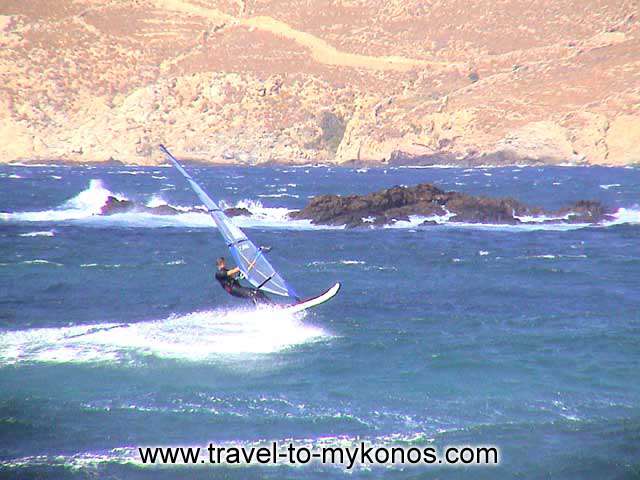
x,y
229,280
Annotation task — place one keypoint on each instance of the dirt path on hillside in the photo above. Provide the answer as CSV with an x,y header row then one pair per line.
x,y
321,51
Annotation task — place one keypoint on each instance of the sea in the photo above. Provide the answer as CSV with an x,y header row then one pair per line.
x,y
115,336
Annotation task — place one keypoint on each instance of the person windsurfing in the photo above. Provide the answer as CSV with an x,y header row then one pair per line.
x,y
228,279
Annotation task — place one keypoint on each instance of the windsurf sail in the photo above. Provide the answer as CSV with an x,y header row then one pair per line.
x,y
250,259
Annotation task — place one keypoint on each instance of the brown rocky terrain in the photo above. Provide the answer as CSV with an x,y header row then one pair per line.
x,y
390,205
252,81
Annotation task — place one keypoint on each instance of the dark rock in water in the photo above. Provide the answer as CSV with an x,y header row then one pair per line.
x,y
113,206
472,209
398,203
161,210
237,212
377,208
429,222
584,211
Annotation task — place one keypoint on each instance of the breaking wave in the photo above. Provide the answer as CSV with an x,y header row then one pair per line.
x,y
197,337
39,233
85,208
630,216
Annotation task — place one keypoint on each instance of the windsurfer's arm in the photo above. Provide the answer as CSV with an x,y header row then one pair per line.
x,y
233,272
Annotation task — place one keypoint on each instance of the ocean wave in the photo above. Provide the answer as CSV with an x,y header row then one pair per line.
x,y
278,195
541,218
203,336
264,406
176,262
39,233
338,262
551,256
630,216
85,208
100,265
132,172
130,455
40,261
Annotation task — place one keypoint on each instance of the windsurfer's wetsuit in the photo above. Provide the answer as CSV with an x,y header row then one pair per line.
x,y
232,286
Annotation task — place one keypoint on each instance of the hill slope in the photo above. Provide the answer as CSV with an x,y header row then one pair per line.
x,y
443,81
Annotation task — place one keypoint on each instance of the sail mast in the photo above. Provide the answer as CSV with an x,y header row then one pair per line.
x,y
250,259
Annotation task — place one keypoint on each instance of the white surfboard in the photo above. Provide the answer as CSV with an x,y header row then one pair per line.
x,y
313,301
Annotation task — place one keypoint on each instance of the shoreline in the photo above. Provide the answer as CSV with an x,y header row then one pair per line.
x,y
347,165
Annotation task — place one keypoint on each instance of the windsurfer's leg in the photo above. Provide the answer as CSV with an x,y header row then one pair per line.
x,y
260,297
242,292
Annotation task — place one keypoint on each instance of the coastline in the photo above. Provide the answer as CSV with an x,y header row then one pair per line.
x,y
199,162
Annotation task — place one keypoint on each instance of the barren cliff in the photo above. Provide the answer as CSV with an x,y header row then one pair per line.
x,y
438,81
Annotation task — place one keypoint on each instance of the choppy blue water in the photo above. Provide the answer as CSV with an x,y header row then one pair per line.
x,y
524,338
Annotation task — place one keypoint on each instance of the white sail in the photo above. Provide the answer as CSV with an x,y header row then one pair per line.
x,y
250,259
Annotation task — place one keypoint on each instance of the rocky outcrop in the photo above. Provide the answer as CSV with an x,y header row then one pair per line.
x,y
237,212
115,205
425,200
393,81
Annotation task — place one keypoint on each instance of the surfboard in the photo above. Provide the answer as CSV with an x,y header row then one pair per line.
x,y
250,259
313,301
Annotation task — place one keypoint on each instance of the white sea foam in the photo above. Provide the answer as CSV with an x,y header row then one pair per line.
x,y
129,455
39,233
278,195
156,201
104,265
541,218
626,215
421,167
176,262
416,220
611,185
336,262
550,256
37,261
197,337
85,207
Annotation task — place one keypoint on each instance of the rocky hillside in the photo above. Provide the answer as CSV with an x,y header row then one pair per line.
x,y
437,81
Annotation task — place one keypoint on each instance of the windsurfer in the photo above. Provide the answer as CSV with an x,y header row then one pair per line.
x,y
228,279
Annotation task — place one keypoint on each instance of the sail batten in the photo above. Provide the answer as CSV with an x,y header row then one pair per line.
x,y
250,259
